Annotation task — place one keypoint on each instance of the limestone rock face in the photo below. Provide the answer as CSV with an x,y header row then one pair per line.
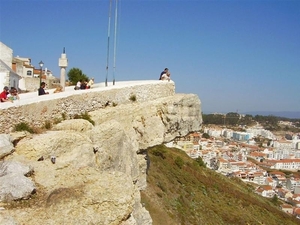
x,y
157,121
115,150
7,220
87,197
79,125
99,169
67,146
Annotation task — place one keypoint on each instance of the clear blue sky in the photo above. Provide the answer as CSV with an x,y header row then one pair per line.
x,y
235,55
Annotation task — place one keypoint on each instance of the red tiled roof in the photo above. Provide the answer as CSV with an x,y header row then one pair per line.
x,y
257,154
223,160
297,211
266,187
286,206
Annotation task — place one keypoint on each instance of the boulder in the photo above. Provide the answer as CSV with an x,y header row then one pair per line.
x,y
15,186
9,167
6,146
79,125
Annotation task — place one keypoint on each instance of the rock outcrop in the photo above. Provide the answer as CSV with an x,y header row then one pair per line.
x,y
98,169
14,184
6,146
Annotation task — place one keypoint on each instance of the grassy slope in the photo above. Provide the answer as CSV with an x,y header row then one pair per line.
x,y
179,191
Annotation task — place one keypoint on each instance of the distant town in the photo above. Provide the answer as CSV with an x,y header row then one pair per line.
x,y
268,160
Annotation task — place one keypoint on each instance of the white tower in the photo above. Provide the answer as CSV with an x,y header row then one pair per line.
x,y
63,64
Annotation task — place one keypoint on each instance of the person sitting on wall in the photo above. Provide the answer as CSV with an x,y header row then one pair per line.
x,y
165,75
83,85
78,85
41,90
3,95
90,83
13,94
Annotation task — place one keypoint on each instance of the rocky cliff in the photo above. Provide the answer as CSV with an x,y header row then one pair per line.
x,y
80,173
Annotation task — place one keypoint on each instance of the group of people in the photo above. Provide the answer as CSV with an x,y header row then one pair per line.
x,y
84,84
165,75
9,95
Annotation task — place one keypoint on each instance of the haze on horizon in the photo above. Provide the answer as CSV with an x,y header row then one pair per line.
x,y
235,55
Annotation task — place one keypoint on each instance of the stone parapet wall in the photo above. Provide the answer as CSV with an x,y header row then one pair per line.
x,y
35,110
33,83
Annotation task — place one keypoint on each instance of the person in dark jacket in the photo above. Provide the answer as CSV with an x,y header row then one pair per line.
x,y
41,90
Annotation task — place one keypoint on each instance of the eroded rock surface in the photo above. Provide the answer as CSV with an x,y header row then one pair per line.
x,y
98,169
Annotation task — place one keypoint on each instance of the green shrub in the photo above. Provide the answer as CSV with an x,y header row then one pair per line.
x,y
64,116
57,120
132,98
159,152
84,116
179,162
161,186
200,162
48,125
87,117
23,127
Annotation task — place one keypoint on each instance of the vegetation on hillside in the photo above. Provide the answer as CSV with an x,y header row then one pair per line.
x,y
181,191
234,119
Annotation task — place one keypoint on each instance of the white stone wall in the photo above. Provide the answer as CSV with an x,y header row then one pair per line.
x,y
6,57
3,80
6,54
35,110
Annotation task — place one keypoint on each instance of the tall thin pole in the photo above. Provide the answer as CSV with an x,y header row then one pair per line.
x,y
109,18
115,41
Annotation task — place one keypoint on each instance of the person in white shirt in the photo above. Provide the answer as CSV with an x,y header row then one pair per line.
x,y
165,75
90,83
78,85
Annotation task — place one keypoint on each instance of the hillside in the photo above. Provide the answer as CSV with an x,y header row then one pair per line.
x,y
180,191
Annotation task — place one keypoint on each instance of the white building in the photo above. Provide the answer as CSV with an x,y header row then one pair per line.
x,y
7,76
284,144
262,132
287,164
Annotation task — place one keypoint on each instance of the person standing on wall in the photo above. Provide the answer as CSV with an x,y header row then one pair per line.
x,y
41,90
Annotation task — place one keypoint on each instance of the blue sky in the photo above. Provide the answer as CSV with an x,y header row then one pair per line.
x,y
235,55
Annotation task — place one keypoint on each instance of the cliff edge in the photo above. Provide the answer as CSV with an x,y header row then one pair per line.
x,y
83,173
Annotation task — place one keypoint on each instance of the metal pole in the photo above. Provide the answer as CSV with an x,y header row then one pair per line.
x,y
109,16
115,41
